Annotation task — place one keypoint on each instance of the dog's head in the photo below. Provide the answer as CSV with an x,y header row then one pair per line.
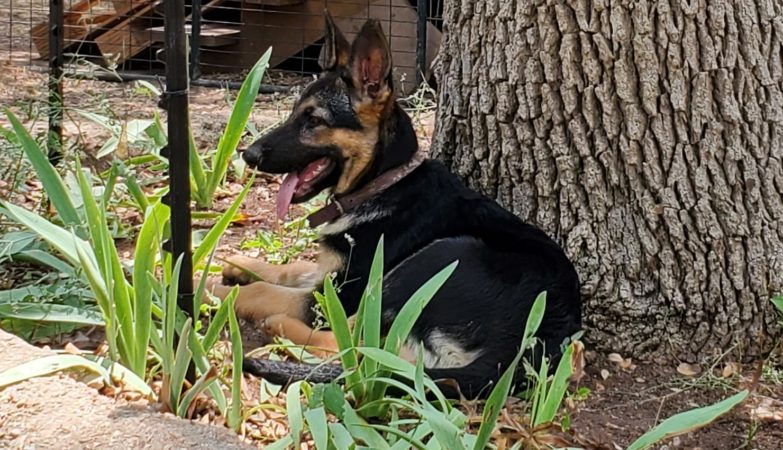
x,y
331,139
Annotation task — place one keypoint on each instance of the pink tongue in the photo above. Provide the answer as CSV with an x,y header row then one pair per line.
x,y
286,193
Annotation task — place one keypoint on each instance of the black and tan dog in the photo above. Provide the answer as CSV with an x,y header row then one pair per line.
x,y
348,134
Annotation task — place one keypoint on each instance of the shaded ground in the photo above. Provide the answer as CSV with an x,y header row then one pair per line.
x,y
631,400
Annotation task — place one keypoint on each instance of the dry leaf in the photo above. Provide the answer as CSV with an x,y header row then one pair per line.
x,y
72,349
623,363
731,369
578,361
689,370
768,410
604,374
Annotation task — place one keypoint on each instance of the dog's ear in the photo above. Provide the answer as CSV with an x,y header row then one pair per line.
x,y
336,49
371,61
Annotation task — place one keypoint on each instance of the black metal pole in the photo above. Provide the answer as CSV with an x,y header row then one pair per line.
x,y
195,40
422,8
176,103
55,135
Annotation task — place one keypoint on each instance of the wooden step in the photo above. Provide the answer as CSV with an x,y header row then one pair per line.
x,y
127,39
80,21
212,35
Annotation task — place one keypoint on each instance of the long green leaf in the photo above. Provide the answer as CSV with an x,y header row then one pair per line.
x,y
216,232
372,310
18,295
122,375
340,437
235,412
410,312
316,422
182,358
293,406
201,362
203,382
48,365
236,123
280,444
47,312
58,237
359,429
216,325
50,179
687,421
557,389
335,314
147,244
98,286
47,259
497,398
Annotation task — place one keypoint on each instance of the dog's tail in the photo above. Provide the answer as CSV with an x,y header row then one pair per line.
x,y
472,381
284,372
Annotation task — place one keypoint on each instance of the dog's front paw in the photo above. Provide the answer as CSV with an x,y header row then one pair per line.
x,y
274,325
239,270
211,287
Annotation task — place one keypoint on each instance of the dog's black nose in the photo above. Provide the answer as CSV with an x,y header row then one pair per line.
x,y
252,155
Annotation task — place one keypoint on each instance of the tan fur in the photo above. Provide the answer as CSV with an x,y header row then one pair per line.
x,y
295,274
358,150
321,343
259,300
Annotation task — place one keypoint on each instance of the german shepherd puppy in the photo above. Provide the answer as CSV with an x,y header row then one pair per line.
x,y
347,132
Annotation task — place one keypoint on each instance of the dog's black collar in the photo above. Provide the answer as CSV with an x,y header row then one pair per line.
x,y
339,206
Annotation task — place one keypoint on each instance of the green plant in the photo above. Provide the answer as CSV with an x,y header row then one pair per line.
x,y
206,179
137,300
208,169
367,415
284,244
687,421
777,301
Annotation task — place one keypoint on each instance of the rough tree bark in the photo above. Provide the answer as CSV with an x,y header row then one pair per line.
x,y
647,137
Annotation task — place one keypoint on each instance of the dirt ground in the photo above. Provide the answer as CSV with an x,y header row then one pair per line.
x,y
625,399
60,412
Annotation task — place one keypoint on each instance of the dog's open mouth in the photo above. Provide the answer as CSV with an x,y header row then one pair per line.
x,y
299,185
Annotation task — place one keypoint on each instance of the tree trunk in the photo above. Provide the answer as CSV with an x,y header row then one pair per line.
x,y
646,137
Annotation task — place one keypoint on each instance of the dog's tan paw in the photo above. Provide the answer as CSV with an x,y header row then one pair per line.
x,y
275,325
239,270
213,287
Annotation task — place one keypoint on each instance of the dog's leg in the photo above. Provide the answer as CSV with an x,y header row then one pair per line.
x,y
321,343
297,274
243,270
259,300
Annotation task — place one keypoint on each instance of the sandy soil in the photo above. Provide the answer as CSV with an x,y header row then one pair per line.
x,y
58,412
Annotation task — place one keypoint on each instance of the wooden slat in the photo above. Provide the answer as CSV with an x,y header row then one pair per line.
x,y
127,39
290,29
211,35
81,20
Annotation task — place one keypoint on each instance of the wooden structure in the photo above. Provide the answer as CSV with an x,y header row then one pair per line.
x,y
234,33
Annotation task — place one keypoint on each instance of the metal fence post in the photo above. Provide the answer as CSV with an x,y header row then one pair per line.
x,y
422,9
54,138
195,40
176,103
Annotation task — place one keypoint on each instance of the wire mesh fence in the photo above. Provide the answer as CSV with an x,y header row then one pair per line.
x,y
118,39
